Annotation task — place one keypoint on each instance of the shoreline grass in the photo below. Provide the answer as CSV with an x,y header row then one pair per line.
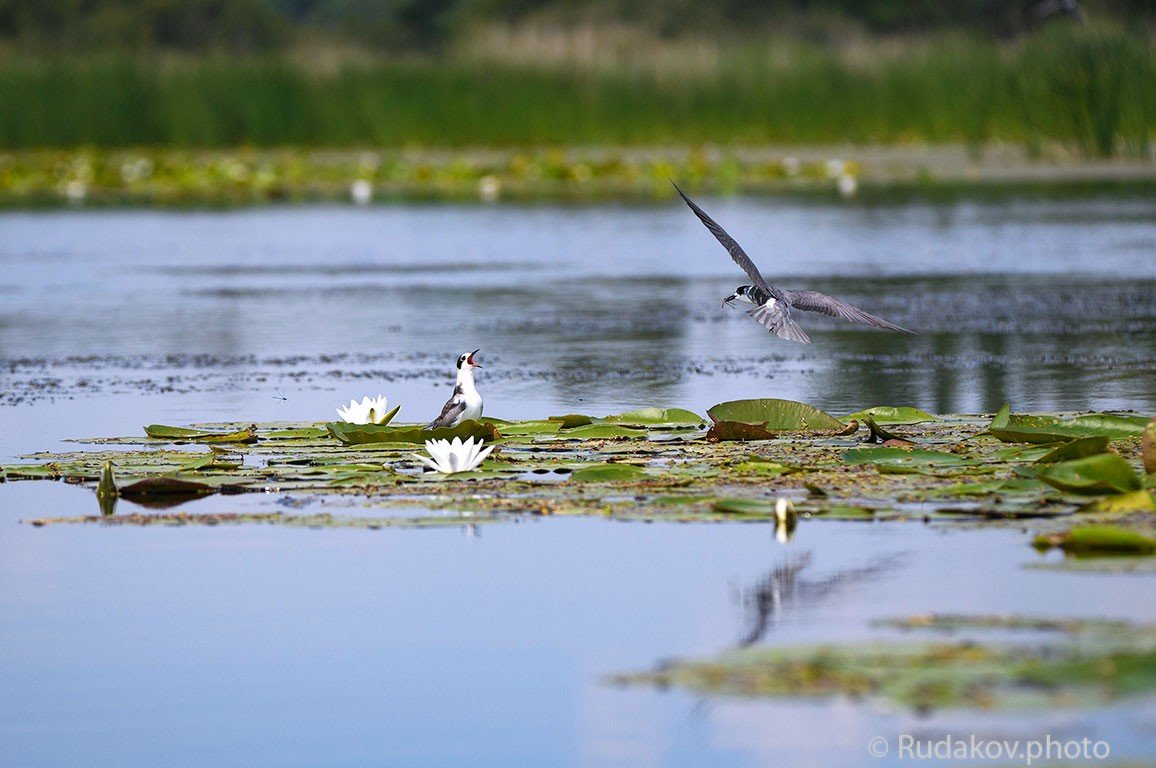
x,y
1090,90
248,176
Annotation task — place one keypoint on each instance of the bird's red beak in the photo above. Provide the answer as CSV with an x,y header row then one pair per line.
x,y
470,359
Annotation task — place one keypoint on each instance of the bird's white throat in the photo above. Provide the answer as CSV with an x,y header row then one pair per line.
x,y
469,393
466,378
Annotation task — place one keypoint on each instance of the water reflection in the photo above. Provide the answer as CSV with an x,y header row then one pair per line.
x,y
783,591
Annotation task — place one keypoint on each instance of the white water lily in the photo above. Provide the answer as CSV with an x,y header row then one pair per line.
x,y
371,410
450,457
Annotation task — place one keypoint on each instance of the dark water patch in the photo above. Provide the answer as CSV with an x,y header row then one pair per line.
x,y
343,270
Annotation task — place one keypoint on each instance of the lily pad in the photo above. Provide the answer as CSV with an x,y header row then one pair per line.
x,y
360,434
1103,473
758,507
525,428
608,473
890,414
600,432
1025,428
657,416
571,420
1079,448
775,414
1099,539
724,431
164,432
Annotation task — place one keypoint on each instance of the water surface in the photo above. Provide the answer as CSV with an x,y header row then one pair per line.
x,y
487,646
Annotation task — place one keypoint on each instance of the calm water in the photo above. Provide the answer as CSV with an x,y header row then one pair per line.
x,y
256,645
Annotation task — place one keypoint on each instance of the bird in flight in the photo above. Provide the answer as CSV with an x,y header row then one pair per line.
x,y
465,402
773,305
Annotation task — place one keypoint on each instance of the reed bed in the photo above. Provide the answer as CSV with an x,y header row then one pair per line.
x,y
1089,89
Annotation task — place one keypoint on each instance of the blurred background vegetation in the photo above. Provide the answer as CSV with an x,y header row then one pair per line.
x,y
350,73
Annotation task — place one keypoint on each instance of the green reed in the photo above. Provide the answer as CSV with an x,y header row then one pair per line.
x,y
1090,89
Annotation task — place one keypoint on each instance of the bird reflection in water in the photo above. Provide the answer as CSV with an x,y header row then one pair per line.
x,y
784,591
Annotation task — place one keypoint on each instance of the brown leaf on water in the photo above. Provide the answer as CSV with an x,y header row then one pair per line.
x,y
725,431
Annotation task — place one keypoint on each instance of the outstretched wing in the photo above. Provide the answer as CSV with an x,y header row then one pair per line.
x,y
734,249
776,315
813,301
451,411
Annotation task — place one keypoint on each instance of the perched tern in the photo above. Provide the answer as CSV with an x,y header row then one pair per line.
x,y
465,402
773,305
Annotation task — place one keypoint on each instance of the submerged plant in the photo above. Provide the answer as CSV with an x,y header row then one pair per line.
x,y
368,411
452,457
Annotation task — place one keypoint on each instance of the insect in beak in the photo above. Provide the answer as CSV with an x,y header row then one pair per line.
x,y
729,299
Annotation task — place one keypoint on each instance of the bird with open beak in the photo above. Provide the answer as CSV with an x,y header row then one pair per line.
x,y
465,403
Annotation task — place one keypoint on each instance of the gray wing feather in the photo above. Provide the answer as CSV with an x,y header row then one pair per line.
x,y
777,318
451,411
813,301
733,248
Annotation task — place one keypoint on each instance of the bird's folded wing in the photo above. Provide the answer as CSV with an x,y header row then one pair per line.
x,y
813,301
733,248
450,411
777,318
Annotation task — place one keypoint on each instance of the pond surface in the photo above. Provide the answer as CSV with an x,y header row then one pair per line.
x,y
261,645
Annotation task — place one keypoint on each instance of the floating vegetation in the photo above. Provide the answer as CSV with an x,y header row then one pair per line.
x,y
1018,428
645,464
1099,540
1082,663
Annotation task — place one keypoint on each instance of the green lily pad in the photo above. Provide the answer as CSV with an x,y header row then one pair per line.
x,y
608,473
1102,473
775,414
1099,539
295,433
759,507
360,434
600,432
1110,424
1080,448
657,416
163,432
571,420
1025,428
890,414
526,428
